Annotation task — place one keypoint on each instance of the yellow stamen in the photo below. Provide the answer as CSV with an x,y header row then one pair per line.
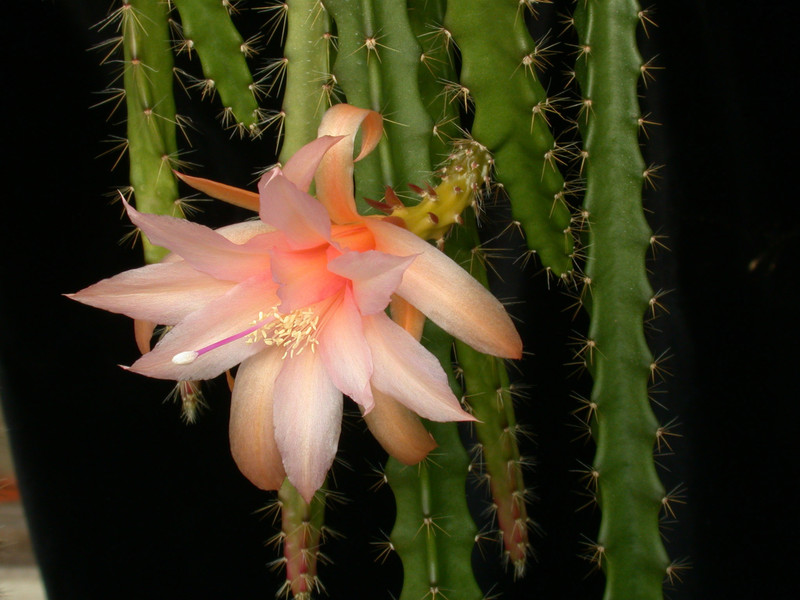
x,y
294,331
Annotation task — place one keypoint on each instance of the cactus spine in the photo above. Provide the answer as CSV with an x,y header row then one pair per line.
x,y
433,533
152,144
629,547
208,30
377,67
499,74
310,86
301,529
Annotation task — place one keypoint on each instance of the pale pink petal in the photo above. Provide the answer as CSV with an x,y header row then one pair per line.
x,y
448,295
224,317
300,168
375,276
398,430
408,317
335,174
204,248
308,416
163,293
221,191
252,432
345,352
304,277
295,213
405,370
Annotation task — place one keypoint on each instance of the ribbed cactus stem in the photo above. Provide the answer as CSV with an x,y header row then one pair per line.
x,y
208,30
488,390
152,145
310,86
511,119
301,527
376,66
436,66
434,533
629,547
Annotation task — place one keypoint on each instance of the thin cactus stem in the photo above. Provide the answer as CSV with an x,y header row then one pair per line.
x,y
434,533
488,393
437,65
208,30
307,52
301,527
629,547
499,75
376,66
310,86
151,120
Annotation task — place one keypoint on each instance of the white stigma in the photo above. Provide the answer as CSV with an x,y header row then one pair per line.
x,y
185,358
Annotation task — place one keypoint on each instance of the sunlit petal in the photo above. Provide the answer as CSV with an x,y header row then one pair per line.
x,y
448,295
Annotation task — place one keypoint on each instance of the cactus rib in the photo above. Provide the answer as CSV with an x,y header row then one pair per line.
x,y
208,29
499,77
629,548
152,143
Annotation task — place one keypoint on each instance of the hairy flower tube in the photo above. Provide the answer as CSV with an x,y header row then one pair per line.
x,y
298,299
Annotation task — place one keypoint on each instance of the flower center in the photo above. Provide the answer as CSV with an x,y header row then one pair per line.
x,y
294,332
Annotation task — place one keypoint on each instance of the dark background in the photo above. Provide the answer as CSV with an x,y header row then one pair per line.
x,y
125,501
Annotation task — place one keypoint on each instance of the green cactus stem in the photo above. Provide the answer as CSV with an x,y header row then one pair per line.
x,y
489,394
499,75
437,66
208,30
434,533
629,547
151,127
310,86
301,530
376,66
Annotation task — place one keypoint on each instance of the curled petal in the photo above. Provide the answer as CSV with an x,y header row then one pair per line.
x,y
409,373
295,213
227,316
205,249
448,295
398,430
375,276
345,352
252,432
308,418
221,191
335,174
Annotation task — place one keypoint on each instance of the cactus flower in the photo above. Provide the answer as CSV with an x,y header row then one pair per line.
x,y
298,300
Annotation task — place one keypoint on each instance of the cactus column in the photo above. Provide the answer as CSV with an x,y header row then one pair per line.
x,y
629,547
